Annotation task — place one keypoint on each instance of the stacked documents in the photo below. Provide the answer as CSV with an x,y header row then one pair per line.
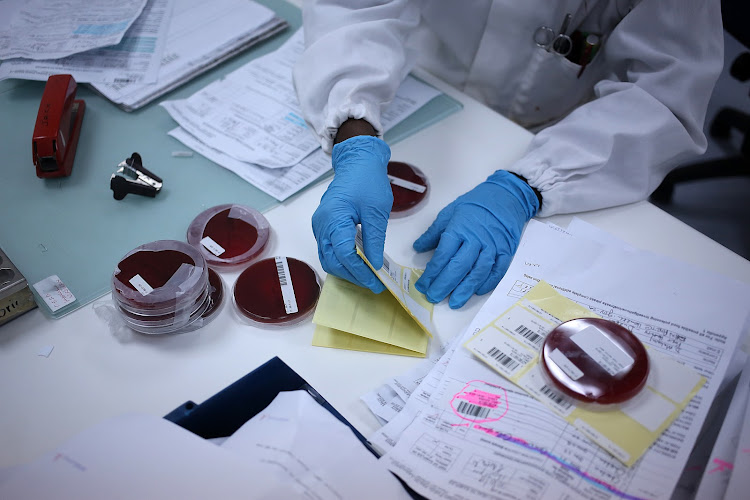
x,y
131,51
201,35
395,322
250,122
458,428
103,41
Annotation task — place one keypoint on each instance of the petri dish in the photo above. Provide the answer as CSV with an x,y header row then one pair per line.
x,y
229,235
275,292
216,296
409,186
160,277
595,361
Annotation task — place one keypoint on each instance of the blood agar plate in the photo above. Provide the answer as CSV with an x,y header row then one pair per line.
x,y
595,361
229,235
161,287
278,291
409,186
216,296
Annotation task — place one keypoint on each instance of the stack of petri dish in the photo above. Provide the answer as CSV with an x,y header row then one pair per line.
x,y
165,287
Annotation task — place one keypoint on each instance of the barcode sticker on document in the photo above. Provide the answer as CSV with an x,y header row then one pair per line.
x,y
287,289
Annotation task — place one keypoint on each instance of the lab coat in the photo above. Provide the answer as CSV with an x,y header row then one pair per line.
x,y
605,138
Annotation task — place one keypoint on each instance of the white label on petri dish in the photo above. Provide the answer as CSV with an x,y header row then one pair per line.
x,y
411,186
566,365
141,285
54,293
212,246
287,289
601,349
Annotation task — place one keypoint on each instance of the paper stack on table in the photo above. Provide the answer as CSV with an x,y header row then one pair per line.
x,y
201,35
250,122
103,41
441,439
294,448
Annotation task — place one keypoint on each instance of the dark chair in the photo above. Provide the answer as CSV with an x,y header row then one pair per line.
x,y
734,16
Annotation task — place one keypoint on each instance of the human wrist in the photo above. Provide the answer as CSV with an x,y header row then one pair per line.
x,y
352,128
520,188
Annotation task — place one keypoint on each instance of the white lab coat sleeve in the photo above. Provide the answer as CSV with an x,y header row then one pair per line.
x,y
354,61
647,116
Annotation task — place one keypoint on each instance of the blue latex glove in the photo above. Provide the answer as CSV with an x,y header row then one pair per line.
x,y
360,193
475,238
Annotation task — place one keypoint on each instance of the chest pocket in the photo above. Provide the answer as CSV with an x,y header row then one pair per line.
x,y
552,86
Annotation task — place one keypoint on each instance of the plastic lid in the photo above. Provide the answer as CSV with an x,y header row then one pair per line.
x,y
595,361
229,235
216,295
409,186
278,291
160,277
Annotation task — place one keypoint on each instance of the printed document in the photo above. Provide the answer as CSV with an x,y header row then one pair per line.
x,y
51,29
253,114
200,36
135,58
479,434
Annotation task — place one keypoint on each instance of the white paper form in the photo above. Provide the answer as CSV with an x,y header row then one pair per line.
x,y
721,464
135,59
50,29
298,442
478,417
253,115
201,35
136,457
281,183
739,481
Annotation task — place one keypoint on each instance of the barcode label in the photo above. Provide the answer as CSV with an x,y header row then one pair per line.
x,y
503,359
141,285
287,290
555,397
529,335
472,410
411,186
212,246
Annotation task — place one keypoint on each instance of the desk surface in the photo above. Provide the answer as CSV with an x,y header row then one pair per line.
x,y
91,374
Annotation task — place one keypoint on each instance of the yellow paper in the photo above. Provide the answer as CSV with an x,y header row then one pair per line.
x,y
510,345
328,337
399,280
380,318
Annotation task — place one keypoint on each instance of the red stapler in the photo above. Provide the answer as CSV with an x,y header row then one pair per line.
x,y
58,125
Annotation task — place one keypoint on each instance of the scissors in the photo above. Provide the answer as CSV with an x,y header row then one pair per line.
x,y
546,38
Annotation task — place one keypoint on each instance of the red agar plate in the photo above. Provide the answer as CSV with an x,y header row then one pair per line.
x,y
229,235
409,186
595,361
260,297
160,277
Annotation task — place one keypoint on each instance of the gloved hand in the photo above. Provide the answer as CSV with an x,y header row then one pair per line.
x,y
476,237
360,193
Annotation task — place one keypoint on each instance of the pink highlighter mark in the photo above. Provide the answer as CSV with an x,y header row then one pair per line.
x,y
478,405
721,466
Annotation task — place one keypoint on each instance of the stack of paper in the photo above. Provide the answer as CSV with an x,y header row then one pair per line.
x,y
104,41
465,430
250,122
294,448
398,321
201,35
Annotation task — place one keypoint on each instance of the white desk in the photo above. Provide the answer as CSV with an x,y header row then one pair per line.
x,y
92,375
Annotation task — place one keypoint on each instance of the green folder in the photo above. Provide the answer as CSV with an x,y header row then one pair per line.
x,y
74,228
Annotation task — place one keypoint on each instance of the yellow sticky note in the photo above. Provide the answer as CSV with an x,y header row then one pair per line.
x,y
328,337
354,310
